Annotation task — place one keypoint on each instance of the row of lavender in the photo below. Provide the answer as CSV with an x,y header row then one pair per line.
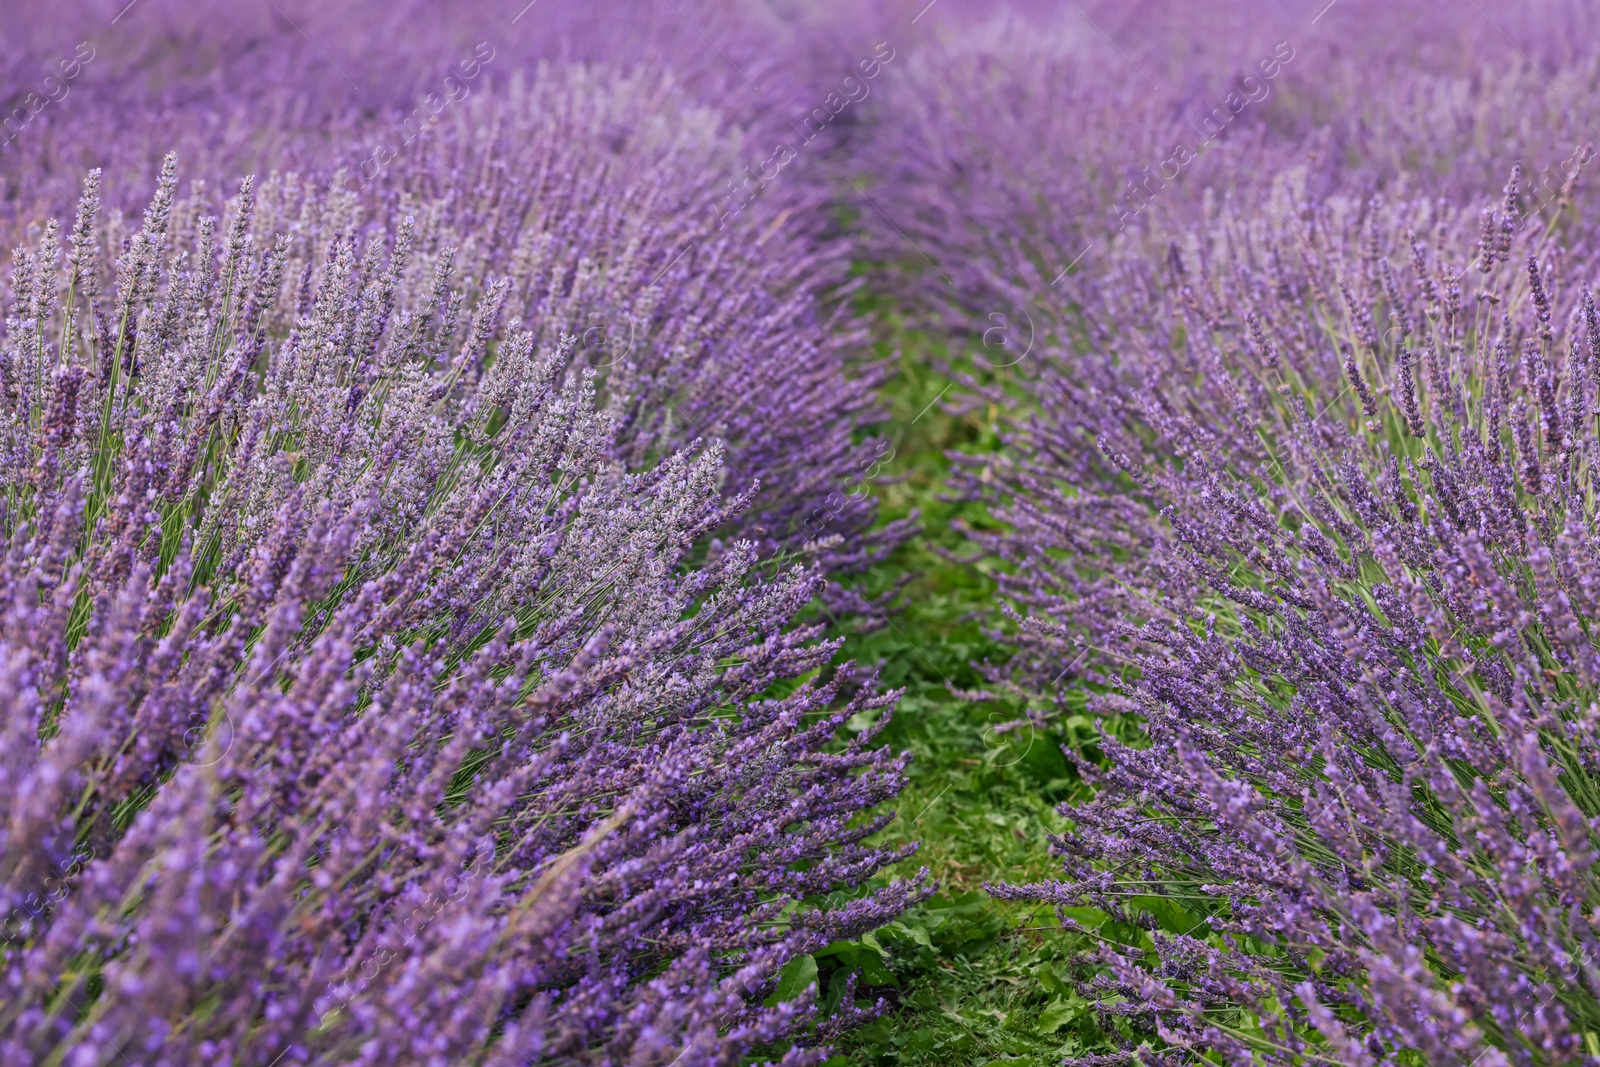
x,y
597,192
1337,522
385,689
360,705
1299,487
406,548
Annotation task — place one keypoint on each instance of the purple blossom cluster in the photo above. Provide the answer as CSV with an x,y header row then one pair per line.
x,y
407,551
1020,158
1323,529
579,156
1297,493
362,704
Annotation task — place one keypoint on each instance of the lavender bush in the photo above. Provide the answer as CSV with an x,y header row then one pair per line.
x,y
1332,548
408,552
361,707
597,190
1022,153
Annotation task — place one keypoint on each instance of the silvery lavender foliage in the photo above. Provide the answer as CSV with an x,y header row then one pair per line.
x,y
605,190
359,707
602,198
1356,553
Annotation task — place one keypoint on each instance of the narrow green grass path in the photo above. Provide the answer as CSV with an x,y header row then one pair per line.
x,y
974,981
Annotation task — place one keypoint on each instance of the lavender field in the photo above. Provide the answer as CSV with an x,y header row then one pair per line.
x,y
670,533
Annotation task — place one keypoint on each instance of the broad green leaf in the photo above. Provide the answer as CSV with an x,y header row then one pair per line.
x,y
797,976
1058,1014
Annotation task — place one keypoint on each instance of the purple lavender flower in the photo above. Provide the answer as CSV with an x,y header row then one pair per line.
x,y
592,186
1354,632
360,706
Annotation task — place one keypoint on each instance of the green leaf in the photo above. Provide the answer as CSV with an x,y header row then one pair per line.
x,y
846,954
1058,1014
1088,918
916,934
798,975
1172,917
1052,982
873,970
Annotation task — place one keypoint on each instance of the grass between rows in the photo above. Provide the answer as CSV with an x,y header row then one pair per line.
x,y
970,980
